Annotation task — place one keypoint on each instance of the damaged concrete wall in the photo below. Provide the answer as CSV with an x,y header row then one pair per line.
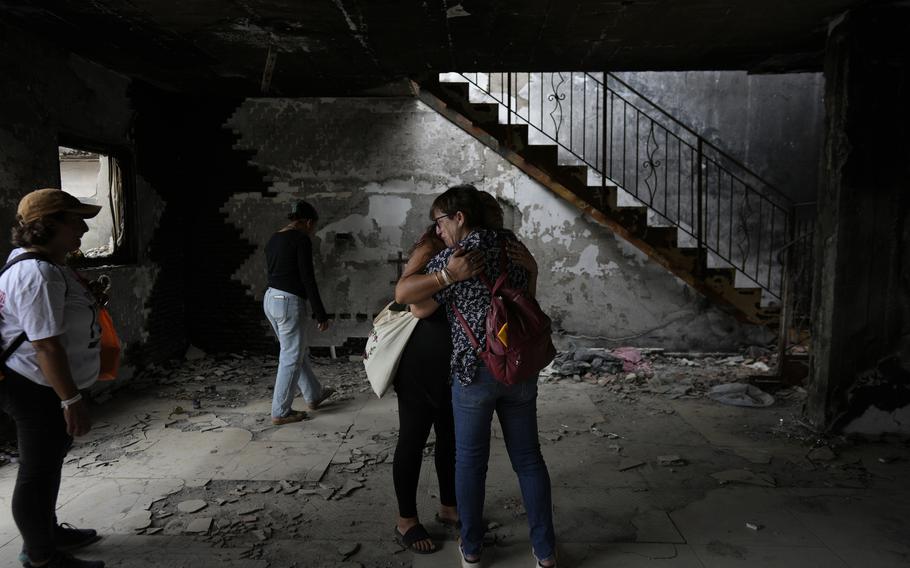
x,y
774,124
373,166
861,321
57,94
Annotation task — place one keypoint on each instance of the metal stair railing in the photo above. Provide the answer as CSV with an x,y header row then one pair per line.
x,y
727,212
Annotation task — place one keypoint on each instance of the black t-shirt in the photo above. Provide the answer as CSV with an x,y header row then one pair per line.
x,y
289,255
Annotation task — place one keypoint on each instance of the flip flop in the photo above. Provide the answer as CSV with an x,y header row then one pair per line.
x,y
414,535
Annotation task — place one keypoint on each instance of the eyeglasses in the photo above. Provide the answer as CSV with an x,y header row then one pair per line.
x,y
436,220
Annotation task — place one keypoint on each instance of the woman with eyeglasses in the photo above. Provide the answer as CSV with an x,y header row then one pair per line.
x,y
459,214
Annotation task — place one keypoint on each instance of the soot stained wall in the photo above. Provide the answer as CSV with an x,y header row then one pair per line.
x,y
373,166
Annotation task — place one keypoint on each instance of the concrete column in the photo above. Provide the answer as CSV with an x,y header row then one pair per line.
x,y
861,321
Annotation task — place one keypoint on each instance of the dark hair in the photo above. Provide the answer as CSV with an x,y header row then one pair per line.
x,y
464,198
38,232
492,211
429,237
303,210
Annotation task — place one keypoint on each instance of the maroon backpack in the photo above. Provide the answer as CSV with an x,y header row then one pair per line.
x,y
528,346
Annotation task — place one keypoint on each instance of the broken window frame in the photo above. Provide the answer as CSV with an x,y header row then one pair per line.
x,y
123,210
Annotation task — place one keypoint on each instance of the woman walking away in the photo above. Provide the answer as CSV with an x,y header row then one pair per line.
x,y
476,394
425,400
292,281
49,326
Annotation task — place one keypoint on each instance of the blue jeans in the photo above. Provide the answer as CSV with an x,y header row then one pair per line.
x,y
290,322
516,406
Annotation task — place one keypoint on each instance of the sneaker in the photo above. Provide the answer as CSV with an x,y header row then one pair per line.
x,y
538,563
69,538
326,393
465,562
64,560
293,416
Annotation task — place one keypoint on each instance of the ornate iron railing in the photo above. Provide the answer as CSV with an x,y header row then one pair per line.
x,y
733,216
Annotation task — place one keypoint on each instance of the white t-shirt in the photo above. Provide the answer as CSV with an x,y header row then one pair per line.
x,y
47,300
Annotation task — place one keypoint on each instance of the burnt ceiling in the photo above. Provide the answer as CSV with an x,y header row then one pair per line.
x,y
348,46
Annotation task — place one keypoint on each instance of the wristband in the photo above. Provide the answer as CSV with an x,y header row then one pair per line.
x,y
447,277
70,402
439,281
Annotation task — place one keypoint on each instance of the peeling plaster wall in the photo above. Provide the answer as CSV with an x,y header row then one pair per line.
x,y
58,93
372,168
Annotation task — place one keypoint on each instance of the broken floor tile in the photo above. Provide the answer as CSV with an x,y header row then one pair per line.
x,y
349,487
191,506
199,526
629,463
671,460
744,476
138,520
753,456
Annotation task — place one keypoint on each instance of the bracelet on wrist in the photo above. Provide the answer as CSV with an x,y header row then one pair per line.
x,y
69,402
447,277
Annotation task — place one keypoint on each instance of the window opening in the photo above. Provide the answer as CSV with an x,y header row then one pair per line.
x,y
97,179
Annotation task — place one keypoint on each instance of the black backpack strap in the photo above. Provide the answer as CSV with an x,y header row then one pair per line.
x,y
22,337
24,256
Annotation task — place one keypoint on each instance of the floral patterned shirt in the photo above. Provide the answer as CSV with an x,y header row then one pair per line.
x,y
473,296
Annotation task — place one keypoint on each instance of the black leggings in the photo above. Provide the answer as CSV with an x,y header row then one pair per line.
x,y
424,401
415,416
43,443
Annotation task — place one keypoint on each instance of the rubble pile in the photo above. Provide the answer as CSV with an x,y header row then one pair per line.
x,y
632,372
232,380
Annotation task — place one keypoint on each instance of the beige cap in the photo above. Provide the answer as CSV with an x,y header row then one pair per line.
x,y
43,202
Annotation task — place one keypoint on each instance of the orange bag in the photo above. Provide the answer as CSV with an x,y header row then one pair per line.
x,y
110,347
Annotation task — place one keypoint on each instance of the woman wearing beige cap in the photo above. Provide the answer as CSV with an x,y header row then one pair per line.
x,y
50,338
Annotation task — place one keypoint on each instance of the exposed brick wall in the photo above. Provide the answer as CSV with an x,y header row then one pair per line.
x,y
189,153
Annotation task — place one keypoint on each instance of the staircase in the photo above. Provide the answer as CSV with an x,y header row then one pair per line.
x,y
604,147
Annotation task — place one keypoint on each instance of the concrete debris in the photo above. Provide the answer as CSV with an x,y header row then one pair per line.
x,y
631,373
191,506
823,453
628,463
349,487
194,354
753,456
137,521
671,460
199,526
348,549
744,476
457,11
875,422
739,394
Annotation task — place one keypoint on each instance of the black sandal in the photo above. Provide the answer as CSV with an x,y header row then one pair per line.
x,y
414,535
